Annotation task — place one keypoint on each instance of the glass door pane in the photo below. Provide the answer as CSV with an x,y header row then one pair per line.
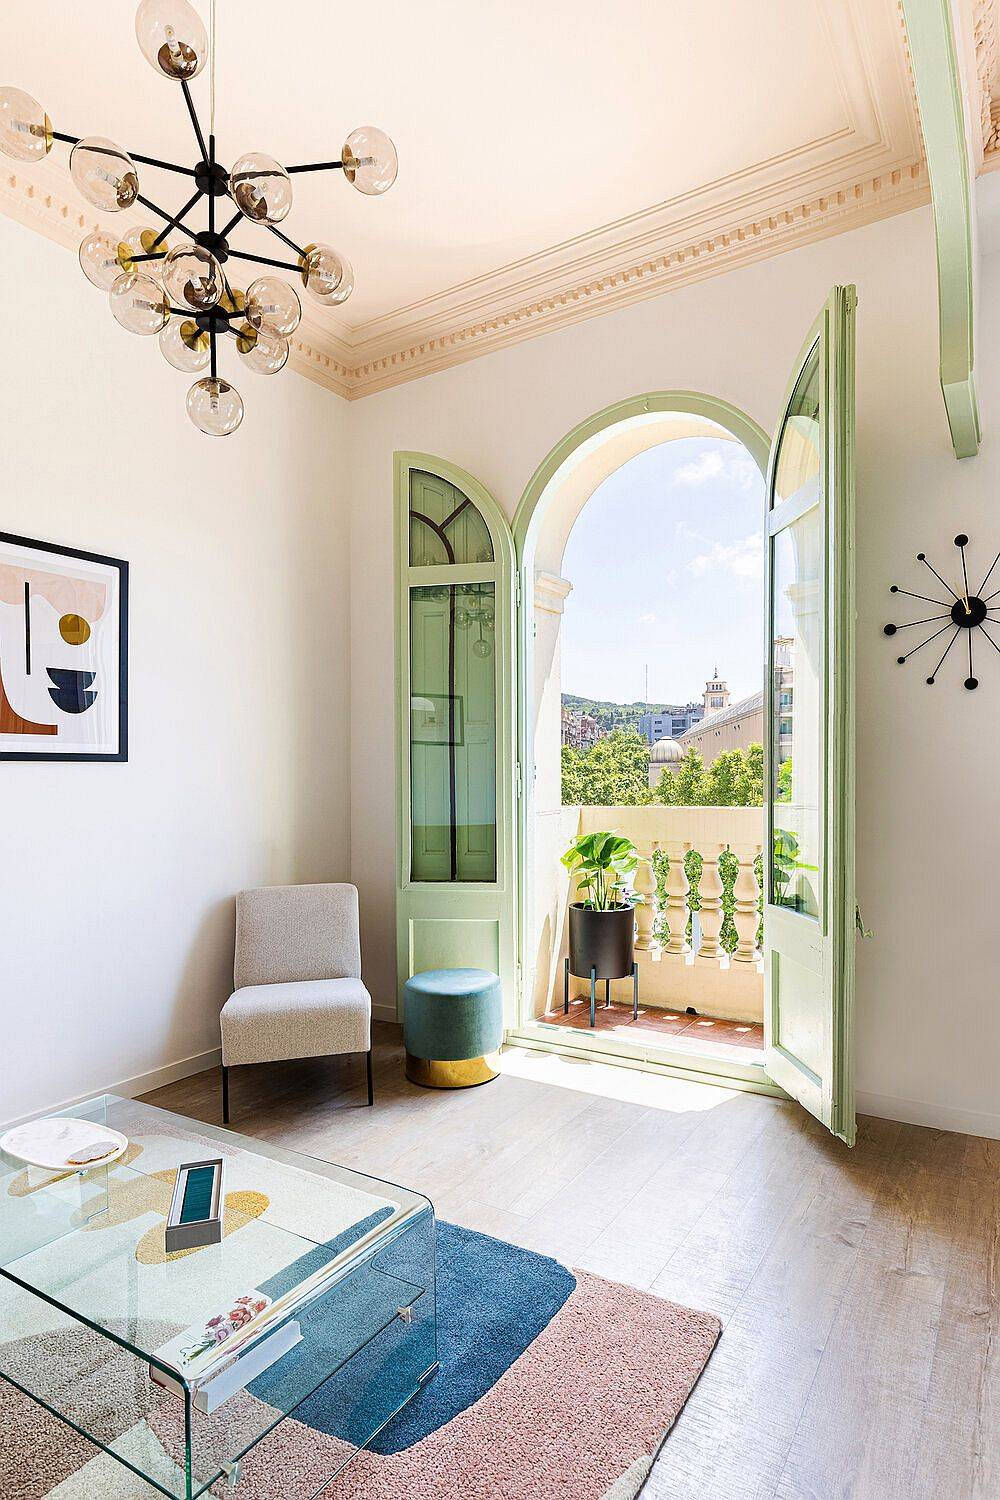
x,y
453,733
797,710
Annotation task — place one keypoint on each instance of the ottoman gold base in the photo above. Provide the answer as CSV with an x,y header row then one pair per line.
x,y
465,1074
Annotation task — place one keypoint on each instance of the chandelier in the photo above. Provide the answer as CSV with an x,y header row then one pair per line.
x,y
179,288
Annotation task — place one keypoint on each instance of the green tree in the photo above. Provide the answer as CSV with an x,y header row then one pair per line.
x,y
685,787
612,773
734,779
783,791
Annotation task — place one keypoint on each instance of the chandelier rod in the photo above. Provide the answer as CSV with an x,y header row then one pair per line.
x,y
264,260
286,241
225,233
174,221
149,161
317,166
194,120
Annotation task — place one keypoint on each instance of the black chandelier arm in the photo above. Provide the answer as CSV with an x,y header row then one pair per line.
x,y
214,353
199,136
168,166
317,166
286,241
264,260
173,221
60,135
156,255
227,231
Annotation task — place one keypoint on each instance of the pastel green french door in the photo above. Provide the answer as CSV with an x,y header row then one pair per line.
x,y
809,918
455,879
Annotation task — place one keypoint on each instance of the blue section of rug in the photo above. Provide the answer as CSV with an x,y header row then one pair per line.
x,y
493,1300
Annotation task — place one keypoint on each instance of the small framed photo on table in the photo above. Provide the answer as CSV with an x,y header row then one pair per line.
x,y
63,653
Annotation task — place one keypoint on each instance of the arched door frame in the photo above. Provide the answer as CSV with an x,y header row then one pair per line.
x,y
528,519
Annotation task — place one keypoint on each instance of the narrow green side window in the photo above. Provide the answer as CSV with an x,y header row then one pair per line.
x,y
453,733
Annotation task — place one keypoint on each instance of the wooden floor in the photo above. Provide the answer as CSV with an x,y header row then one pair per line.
x,y
860,1290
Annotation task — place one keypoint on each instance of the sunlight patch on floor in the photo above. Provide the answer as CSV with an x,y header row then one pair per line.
x,y
629,1085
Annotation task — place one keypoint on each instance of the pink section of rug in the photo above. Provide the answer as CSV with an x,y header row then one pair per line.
x,y
593,1394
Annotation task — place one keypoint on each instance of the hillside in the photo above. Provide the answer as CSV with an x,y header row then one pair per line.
x,y
617,715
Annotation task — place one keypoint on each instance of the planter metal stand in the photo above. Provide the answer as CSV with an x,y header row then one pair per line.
x,y
593,991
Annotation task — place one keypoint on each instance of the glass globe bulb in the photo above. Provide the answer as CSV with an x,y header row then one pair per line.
x,y
273,306
141,241
25,128
261,188
171,37
327,276
104,173
193,277
99,259
214,406
263,353
185,346
370,160
138,303
482,649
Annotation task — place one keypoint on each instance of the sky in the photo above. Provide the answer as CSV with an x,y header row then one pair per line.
x,y
666,562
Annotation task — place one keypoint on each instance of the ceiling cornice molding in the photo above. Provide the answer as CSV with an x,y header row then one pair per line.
x,y
659,270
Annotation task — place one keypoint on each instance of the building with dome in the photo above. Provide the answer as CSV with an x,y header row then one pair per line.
x,y
665,755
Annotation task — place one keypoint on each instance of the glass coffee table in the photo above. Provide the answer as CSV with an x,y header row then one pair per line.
x,y
318,1302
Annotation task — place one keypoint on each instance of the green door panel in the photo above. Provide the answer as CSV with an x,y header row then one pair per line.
x,y
809,917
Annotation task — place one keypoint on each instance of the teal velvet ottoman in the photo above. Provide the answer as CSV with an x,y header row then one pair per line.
x,y
452,1027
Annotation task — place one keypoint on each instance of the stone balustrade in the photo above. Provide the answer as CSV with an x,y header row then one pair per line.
x,y
697,927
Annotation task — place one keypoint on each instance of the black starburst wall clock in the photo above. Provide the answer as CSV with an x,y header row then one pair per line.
x,y
965,615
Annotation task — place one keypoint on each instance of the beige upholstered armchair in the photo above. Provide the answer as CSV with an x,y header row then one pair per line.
x,y
297,978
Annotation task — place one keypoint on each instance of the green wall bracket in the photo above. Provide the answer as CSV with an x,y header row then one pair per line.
x,y
939,95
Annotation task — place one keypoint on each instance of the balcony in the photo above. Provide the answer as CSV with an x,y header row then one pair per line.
x,y
697,930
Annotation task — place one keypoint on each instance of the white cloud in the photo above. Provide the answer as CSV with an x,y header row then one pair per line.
x,y
744,559
647,619
737,467
744,471
708,466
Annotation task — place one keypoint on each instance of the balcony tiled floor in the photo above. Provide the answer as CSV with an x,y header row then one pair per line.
x,y
705,1034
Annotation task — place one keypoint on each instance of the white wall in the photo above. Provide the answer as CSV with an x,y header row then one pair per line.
x,y
928,1045
117,881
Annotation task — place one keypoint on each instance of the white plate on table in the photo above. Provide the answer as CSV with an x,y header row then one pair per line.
x,y
51,1142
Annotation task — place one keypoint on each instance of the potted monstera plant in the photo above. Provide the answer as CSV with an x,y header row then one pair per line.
x,y
602,920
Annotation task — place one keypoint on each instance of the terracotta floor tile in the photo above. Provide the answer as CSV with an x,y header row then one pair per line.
x,y
692,1033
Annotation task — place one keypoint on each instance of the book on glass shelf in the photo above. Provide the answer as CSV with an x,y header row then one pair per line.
x,y
195,1353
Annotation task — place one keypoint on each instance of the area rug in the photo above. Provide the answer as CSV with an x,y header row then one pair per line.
x,y
552,1383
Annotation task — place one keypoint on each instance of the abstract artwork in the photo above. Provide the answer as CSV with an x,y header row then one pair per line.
x,y
63,653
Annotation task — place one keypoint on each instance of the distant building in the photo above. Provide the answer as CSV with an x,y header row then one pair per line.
x,y
579,731
666,755
734,726
670,722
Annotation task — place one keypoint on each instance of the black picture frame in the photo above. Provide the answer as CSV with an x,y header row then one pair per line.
x,y
451,720
12,539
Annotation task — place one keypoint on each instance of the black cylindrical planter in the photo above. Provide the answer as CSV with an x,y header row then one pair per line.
x,y
601,940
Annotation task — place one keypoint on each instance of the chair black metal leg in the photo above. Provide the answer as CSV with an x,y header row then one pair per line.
x,y
225,1095
635,992
371,1088
593,997
566,988
607,993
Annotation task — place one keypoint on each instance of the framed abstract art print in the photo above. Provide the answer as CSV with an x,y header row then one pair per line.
x,y
63,653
